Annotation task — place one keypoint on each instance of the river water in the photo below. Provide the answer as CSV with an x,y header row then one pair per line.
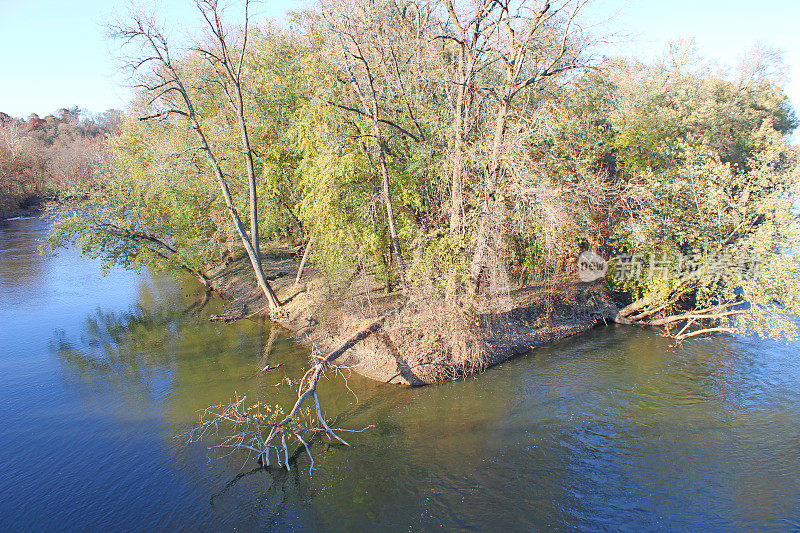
x,y
615,429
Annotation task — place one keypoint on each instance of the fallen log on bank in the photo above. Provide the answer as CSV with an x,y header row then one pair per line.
x,y
712,319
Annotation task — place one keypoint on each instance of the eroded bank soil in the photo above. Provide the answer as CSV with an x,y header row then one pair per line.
x,y
413,346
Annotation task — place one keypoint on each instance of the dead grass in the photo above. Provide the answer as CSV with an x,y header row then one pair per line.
x,y
442,336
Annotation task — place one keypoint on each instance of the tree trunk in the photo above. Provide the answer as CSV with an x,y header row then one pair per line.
x,y
387,199
251,176
171,78
255,261
371,110
491,228
380,145
303,261
456,193
387,263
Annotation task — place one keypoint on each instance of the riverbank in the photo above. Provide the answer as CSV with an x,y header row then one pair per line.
x,y
422,341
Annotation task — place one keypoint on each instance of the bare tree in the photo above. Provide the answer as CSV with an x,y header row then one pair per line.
x,y
11,134
523,44
227,65
170,95
470,32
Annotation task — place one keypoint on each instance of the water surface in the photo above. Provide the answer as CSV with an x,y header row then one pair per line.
x,y
615,429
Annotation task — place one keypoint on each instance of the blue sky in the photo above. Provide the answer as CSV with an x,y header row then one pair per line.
x,y
54,53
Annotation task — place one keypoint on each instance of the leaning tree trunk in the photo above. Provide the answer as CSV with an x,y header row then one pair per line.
x,y
169,79
387,200
662,313
251,176
255,260
303,261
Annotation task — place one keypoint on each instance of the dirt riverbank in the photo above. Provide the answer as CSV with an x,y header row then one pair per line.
x,y
409,348
33,206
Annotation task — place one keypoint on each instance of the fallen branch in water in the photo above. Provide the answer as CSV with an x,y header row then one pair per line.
x,y
713,319
230,315
249,424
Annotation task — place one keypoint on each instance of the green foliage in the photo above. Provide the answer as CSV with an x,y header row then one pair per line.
x,y
341,202
158,185
665,161
124,218
441,265
708,169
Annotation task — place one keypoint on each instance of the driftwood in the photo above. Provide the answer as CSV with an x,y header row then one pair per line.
x,y
249,424
230,315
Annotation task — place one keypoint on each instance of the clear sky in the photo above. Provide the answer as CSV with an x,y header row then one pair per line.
x,y
54,53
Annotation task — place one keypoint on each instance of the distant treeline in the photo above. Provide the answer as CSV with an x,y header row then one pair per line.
x,y
43,157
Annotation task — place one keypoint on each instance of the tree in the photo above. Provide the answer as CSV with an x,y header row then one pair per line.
x,y
707,165
359,30
10,135
171,97
526,44
142,210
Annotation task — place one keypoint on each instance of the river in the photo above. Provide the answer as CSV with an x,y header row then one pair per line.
x,y
615,429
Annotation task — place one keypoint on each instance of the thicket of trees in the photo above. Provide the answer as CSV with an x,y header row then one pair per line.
x,y
40,157
456,151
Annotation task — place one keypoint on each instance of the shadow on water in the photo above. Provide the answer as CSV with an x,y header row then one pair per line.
x,y
21,267
163,358
125,347
277,485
